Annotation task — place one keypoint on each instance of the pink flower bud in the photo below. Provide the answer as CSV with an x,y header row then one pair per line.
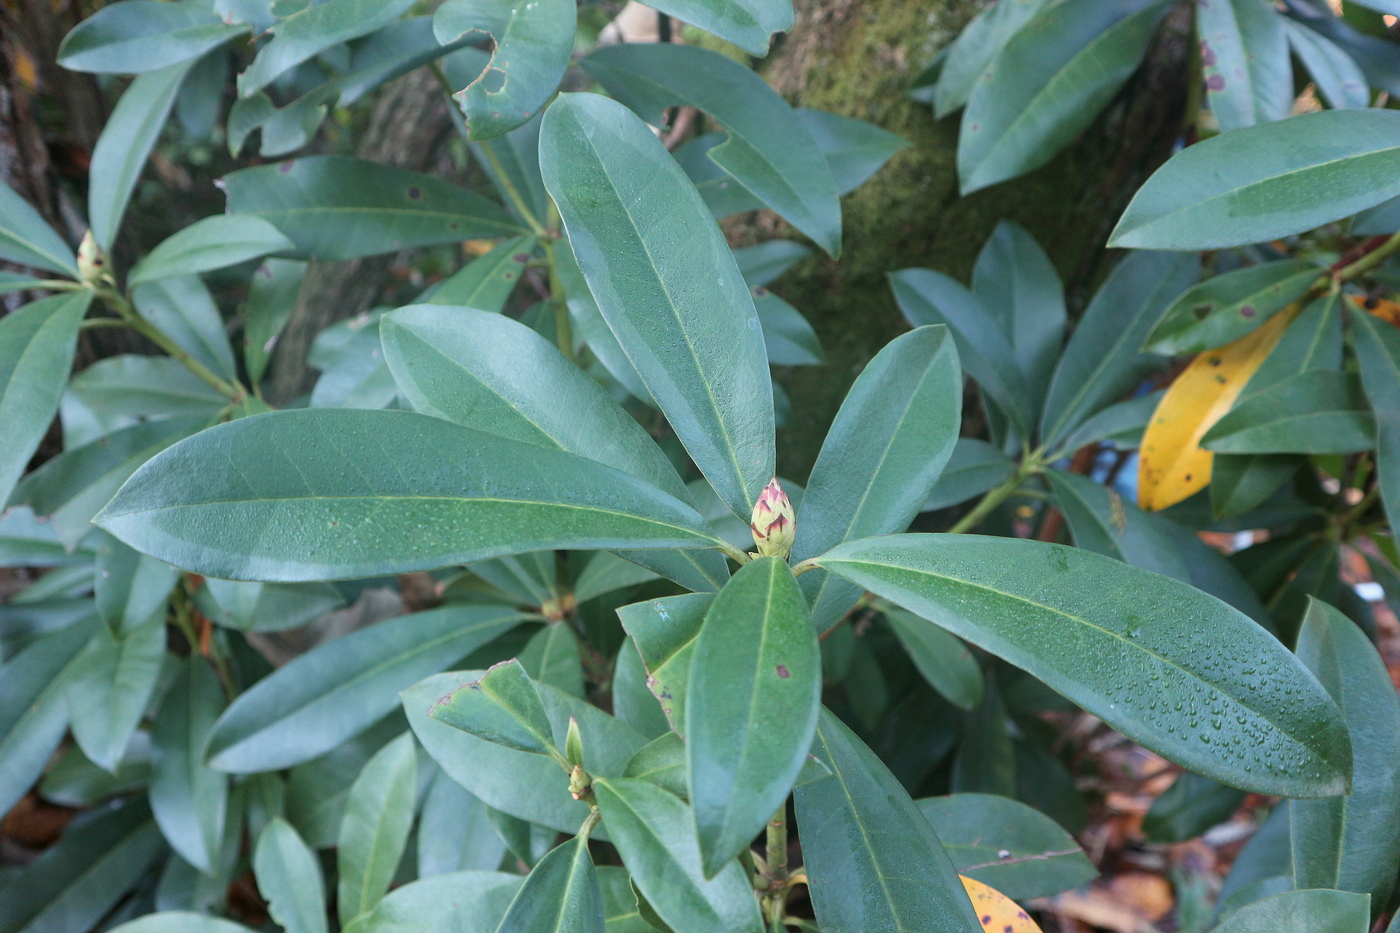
x,y
773,523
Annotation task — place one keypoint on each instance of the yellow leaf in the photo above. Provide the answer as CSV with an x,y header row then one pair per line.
x,y
1172,465
997,912
1388,311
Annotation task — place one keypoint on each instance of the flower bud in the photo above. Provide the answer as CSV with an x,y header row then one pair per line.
x,y
773,524
92,264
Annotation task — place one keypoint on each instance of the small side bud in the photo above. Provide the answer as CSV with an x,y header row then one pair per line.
x,y
580,784
773,523
92,262
573,744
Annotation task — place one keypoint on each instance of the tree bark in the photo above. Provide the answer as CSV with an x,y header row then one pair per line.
x,y
857,58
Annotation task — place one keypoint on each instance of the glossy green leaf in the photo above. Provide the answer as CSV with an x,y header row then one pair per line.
x,y
272,296
1241,482
552,657
336,207
527,786
265,607
621,912
788,337
607,573
770,151
1377,346
144,36
127,139
487,281
1312,911
502,707
270,498
110,686
633,701
1103,360
590,326
1226,307
1121,424
315,792
1213,574
1266,181
1192,805
985,759
33,706
561,895
1383,218
312,30
461,837
463,902
749,24
881,457
378,816
189,799
123,390
654,832
665,632
322,698
1018,284
946,663
1338,77
73,781
526,842
211,243
1102,521
289,877
1350,842
27,239
1250,715
662,762
979,43
1049,83
184,309
1007,845
764,262
874,863
36,352
1244,58
668,286
751,707
130,588
1312,413
974,467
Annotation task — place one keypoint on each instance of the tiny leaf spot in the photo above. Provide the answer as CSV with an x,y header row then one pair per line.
x,y
783,672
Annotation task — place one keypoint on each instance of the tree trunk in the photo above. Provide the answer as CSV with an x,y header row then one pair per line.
x,y
857,58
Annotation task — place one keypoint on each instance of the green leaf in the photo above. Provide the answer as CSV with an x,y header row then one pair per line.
x,y
751,707
312,30
1312,911
552,657
378,816
502,707
1192,805
1045,608
471,901
184,309
189,799
461,837
74,883
208,244
18,282
130,587
561,895
985,351
1350,842
944,662
1103,360
764,262
109,687
1377,348
1121,425
123,390
322,698
1049,83
33,707
1019,285
662,762
1266,181
1007,845
180,921
788,337
127,139
770,151
289,876
337,207
272,296
665,632
633,701
487,281
1315,412
1226,307
874,863
533,43
749,24
267,498
27,239
527,786
1244,54
973,468
265,607
621,912
1102,522
654,832
144,36
1338,77
36,352
668,286
881,458
979,43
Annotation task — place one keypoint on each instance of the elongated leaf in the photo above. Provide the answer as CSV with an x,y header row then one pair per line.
x,y
874,862
320,699
216,504
27,239
1020,287
211,243
336,207
1192,805
1048,84
36,352
130,588
378,816
144,36
109,688
290,878
502,707
1244,54
1315,412
1001,842
665,632
770,151
120,153
1350,842
788,337
461,836
1338,77
1103,360
1302,912
180,921
751,707
749,24
314,29
1249,714
265,607
472,901
561,895
1378,351
1172,464
123,390
668,286
1266,181
552,657
1225,308
184,309
881,458
633,701
1101,521
272,296
662,762
654,832
189,799
487,281
980,43
973,468
944,662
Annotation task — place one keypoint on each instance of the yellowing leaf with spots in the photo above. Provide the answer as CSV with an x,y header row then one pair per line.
x,y
997,912
1388,311
1172,465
